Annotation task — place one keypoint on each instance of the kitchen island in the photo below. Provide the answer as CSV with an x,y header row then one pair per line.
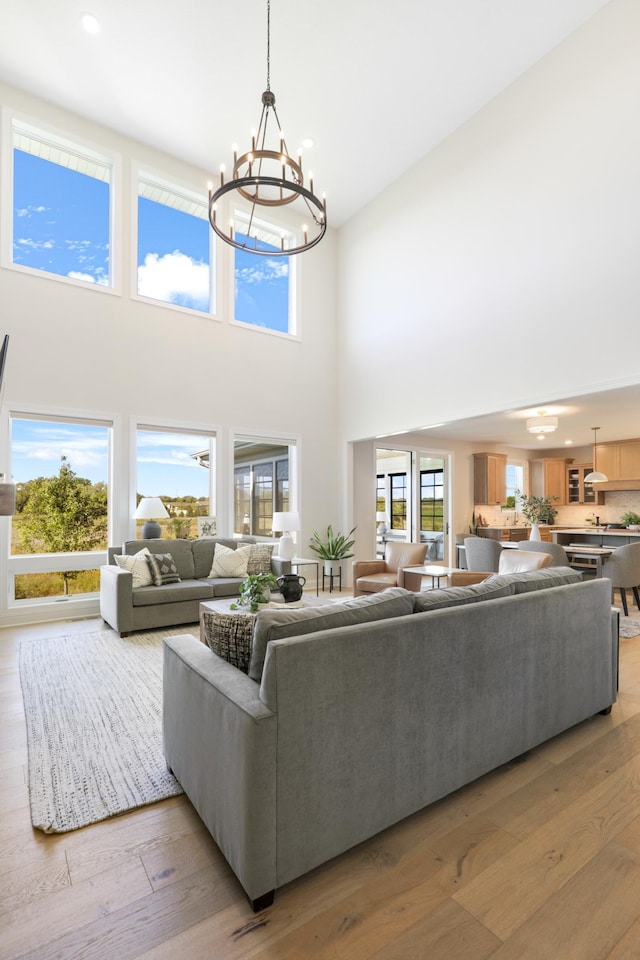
x,y
595,537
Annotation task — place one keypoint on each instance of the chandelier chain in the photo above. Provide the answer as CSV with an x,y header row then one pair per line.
x,y
268,44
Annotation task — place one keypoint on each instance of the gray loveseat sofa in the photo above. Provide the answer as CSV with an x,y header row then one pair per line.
x,y
126,609
351,728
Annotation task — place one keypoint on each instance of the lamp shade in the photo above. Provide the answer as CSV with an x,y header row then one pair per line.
x,y
381,516
287,521
595,476
151,509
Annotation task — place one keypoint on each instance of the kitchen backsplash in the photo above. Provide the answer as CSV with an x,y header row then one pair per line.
x,y
616,503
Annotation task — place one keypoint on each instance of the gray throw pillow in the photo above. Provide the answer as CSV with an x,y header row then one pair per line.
x,y
163,569
458,596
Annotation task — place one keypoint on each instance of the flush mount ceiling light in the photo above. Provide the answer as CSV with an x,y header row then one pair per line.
x,y
269,178
542,423
595,476
90,23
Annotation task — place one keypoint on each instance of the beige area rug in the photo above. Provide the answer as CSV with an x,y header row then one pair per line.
x,y
93,705
629,626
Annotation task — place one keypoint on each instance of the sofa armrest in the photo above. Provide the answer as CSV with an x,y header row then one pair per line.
x,y
220,741
116,598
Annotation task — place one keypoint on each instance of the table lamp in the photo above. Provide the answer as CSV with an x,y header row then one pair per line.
x,y
287,521
151,509
382,520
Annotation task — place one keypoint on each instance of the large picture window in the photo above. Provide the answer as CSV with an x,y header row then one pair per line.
x,y
61,207
59,531
178,467
174,246
260,486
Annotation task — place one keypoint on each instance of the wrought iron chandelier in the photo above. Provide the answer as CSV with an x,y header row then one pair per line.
x,y
269,178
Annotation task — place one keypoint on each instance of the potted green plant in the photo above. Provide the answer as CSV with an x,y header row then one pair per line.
x,y
254,590
630,519
335,546
537,509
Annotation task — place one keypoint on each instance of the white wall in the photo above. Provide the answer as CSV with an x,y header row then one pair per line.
x,y
87,351
502,269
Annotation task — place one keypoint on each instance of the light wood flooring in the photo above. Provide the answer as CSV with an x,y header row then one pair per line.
x,y
539,860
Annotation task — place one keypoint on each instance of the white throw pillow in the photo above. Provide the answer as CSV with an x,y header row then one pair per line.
x,y
138,567
228,562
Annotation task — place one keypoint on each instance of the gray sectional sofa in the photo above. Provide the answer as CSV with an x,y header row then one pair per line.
x,y
126,609
364,712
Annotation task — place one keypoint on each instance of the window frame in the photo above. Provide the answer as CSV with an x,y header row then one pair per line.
x,y
51,133
56,562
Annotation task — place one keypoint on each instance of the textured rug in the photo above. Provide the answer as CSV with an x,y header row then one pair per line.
x,y
93,705
629,626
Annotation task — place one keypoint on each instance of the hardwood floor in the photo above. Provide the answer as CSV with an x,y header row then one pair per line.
x,y
539,860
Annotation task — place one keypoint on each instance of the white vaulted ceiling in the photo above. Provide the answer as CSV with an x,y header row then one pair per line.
x,y
375,84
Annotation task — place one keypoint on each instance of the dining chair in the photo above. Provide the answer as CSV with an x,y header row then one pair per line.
x,y
559,556
623,569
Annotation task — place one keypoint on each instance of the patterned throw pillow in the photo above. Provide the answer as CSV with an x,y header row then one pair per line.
x,y
230,636
260,558
163,569
228,562
138,567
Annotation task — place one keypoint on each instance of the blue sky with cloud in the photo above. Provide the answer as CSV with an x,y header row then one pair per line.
x,y
165,464
61,225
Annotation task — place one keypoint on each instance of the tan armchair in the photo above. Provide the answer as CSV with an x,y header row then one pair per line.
x,y
370,576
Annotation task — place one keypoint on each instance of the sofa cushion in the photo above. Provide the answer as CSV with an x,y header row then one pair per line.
x,y
372,583
279,624
458,596
260,558
179,549
537,579
228,562
173,593
163,569
137,566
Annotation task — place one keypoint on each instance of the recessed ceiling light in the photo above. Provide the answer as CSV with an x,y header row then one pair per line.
x,y
90,23
308,142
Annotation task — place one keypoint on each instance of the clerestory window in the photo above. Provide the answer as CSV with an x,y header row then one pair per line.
x,y
175,247
62,222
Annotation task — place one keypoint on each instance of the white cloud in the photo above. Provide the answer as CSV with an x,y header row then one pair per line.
x,y
99,277
36,244
265,271
28,211
175,278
